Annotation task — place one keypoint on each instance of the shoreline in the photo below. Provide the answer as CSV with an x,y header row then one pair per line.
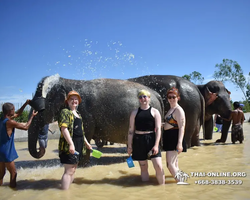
x,y
22,136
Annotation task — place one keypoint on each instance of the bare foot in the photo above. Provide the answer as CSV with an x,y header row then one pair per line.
x,y
13,181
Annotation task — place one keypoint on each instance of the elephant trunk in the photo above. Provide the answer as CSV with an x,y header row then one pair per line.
x,y
224,131
33,132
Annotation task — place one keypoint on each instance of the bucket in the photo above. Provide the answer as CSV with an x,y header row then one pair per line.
x,y
38,104
96,153
130,162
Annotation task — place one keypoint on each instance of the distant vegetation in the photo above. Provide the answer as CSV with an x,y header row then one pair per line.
x,y
230,71
22,118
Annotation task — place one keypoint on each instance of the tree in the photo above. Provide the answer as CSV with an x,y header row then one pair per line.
x,y
22,118
194,77
248,90
230,70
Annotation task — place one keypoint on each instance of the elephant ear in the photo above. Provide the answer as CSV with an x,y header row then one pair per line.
x,y
210,97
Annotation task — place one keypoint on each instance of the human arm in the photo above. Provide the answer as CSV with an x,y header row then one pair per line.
x,y
157,117
242,118
19,112
68,138
181,120
88,145
10,124
131,131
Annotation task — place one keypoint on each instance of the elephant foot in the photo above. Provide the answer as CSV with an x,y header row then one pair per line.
x,y
196,143
220,141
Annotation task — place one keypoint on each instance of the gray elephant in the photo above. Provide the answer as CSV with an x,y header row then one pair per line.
x,y
191,101
105,109
217,99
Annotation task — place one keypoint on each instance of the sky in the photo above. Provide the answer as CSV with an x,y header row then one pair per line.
x,y
89,39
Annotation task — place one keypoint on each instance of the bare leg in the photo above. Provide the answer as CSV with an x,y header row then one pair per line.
x,y
144,170
12,169
157,162
176,164
2,172
68,175
171,159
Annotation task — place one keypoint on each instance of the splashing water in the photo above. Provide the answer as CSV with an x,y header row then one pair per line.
x,y
99,60
49,82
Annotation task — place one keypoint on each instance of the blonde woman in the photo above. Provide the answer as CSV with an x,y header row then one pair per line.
x,y
144,136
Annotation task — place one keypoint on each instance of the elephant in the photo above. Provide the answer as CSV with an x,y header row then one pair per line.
x,y
191,100
217,99
105,109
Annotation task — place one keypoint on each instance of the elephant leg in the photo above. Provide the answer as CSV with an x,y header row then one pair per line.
x,y
195,141
208,130
188,136
224,131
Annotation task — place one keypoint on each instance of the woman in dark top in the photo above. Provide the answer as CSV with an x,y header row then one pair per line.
x,y
144,136
174,126
72,141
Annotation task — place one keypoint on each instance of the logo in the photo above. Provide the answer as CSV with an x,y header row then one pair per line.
x,y
182,177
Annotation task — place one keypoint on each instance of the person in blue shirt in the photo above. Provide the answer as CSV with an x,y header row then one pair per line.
x,y
7,147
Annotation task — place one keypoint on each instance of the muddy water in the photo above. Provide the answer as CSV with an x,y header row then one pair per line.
x,y
110,178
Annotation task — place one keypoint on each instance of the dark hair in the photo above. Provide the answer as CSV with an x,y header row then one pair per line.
x,y
7,107
236,104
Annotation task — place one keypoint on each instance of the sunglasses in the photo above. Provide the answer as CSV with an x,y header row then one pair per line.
x,y
172,97
142,96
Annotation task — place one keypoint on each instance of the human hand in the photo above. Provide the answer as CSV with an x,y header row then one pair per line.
x,y
34,113
179,148
88,146
154,150
72,148
129,150
28,101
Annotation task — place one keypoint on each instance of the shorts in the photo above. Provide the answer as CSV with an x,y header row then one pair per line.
x,y
170,140
71,159
142,144
68,158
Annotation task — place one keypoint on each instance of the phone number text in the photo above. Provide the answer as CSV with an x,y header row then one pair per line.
x,y
219,182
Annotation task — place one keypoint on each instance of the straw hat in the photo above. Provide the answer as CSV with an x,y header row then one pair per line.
x,y
71,93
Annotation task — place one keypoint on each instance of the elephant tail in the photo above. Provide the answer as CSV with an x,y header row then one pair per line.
x,y
202,116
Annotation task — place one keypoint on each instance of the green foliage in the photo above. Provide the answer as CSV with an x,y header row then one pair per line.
x,y
194,77
230,70
248,90
23,117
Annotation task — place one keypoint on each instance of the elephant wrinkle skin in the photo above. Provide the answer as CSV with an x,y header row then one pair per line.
x,y
191,100
105,108
217,99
